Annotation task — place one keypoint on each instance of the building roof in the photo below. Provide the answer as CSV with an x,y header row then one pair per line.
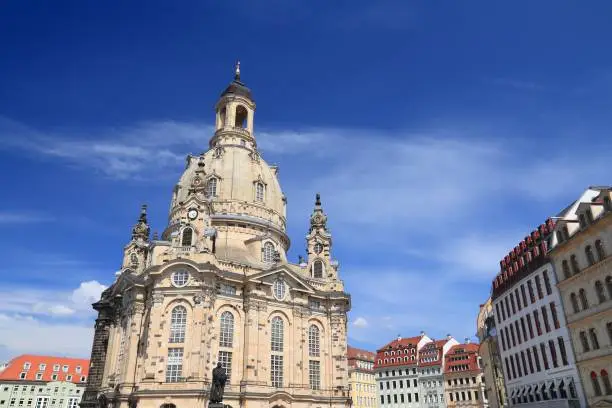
x,y
462,358
399,352
360,354
32,365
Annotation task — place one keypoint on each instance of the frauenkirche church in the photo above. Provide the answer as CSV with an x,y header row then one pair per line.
x,y
217,287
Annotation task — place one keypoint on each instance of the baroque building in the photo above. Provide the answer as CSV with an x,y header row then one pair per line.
x,y
217,286
30,381
361,378
410,372
492,369
537,355
463,377
580,252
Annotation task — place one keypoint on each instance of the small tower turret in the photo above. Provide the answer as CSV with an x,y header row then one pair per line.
x,y
318,247
136,251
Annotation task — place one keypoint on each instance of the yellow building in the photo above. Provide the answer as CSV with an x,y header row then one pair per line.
x,y
217,287
362,382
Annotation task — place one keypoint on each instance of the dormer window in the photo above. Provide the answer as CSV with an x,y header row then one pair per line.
x,y
187,237
211,188
268,252
565,232
582,220
259,191
317,269
589,215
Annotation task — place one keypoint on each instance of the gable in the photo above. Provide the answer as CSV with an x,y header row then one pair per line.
x,y
294,281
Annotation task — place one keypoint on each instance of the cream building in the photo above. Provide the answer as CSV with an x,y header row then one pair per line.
x,y
217,287
492,370
463,377
581,245
362,383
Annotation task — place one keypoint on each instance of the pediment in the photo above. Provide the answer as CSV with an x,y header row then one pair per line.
x,y
295,281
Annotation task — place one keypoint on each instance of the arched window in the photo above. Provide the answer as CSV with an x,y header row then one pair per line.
x,y
276,340
241,117
222,117
134,260
606,382
276,356
226,333
178,322
595,384
574,262
566,269
601,253
187,238
601,294
594,340
259,191
317,269
574,301
584,341
589,254
584,302
268,252
211,188
314,341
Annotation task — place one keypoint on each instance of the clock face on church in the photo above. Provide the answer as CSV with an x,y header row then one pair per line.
x,y
192,214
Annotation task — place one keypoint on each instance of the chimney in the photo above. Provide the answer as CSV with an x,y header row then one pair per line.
x,y
422,333
467,340
399,337
448,336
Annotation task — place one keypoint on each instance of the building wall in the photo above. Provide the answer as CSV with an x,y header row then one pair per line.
x,y
362,382
535,346
493,376
586,289
463,385
431,386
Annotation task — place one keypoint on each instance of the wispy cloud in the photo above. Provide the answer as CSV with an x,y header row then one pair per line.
x,y
19,217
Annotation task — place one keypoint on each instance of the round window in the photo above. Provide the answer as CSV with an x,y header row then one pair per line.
x,y
180,278
279,289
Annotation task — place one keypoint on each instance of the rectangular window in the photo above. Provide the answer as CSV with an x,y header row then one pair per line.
x,y
544,356
518,365
539,287
512,334
476,395
388,399
518,331
174,368
529,326
401,383
394,385
498,313
42,402
225,358
381,385
547,283
553,312
508,373
545,318
22,376
562,351
402,398
42,367
536,317
65,368
513,366
395,398
524,362
530,361
39,376
524,329
54,377
73,403
409,397
518,299
503,342
507,338
507,306
56,367
524,295
553,353
512,303
276,370
536,359
387,384
382,400
414,383
416,397
314,373
530,288
225,289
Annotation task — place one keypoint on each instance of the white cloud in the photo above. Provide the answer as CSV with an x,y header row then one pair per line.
x,y
87,293
360,322
25,334
61,310
16,217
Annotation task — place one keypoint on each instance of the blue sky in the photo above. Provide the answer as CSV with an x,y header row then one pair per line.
x,y
437,134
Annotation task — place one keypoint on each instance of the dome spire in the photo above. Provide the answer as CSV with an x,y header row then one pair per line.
x,y
237,71
141,230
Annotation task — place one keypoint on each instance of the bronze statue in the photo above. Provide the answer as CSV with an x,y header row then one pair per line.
x,y
218,383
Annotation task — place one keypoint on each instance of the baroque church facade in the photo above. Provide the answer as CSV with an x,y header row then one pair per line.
x,y
217,286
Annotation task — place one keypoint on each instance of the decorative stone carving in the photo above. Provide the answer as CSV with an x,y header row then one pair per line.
x,y
218,152
158,298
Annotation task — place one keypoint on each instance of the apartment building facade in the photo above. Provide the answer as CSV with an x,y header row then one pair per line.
x,y
463,377
362,383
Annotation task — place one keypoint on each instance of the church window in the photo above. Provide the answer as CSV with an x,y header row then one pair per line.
x,y
178,323
241,117
276,346
314,373
276,342
601,253
314,341
174,368
589,254
134,259
187,237
268,252
180,278
211,188
317,269
225,358
279,289
226,335
259,191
